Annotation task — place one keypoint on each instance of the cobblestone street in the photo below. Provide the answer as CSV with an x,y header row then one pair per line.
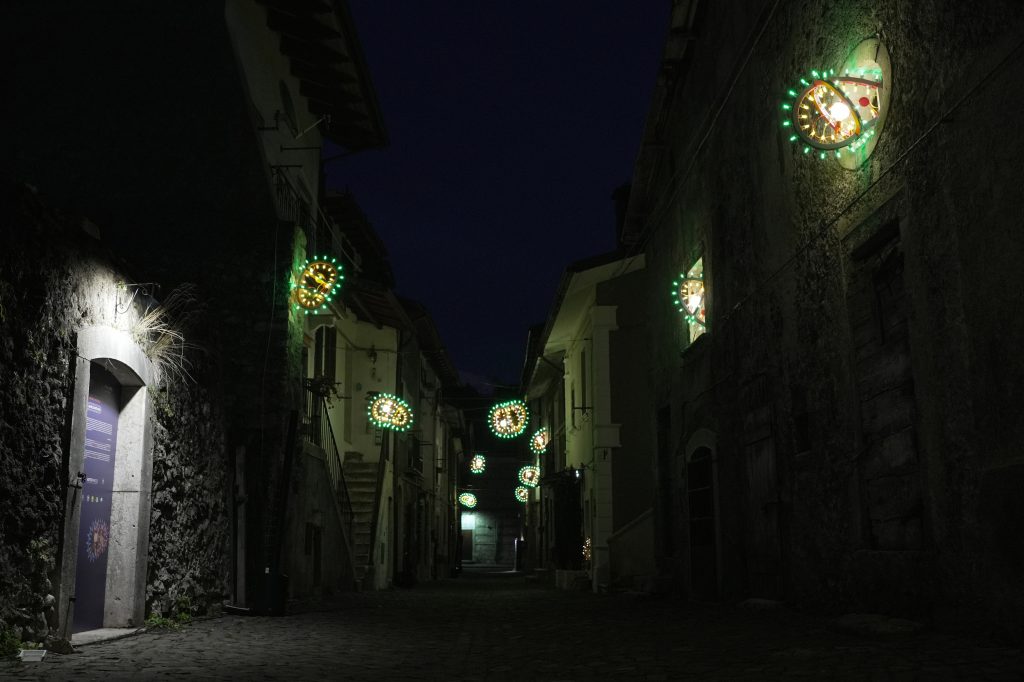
x,y
502,628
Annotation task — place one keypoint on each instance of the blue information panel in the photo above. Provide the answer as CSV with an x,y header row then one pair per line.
x,y
94,526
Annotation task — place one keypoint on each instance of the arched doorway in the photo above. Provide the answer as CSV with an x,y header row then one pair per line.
x,y
106,521
702,508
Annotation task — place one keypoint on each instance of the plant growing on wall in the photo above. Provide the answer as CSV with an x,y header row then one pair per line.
x,y
160,332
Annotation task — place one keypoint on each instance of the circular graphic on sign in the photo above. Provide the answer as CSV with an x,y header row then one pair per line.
x,y
98,539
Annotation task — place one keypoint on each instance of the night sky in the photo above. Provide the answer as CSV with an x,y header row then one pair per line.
x,y
511,124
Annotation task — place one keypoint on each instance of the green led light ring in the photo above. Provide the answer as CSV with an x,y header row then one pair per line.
x,y
508,419
539,441
529,476
477,464
387,411
317,284
833,115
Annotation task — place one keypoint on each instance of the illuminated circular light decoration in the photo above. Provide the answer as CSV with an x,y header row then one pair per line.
x,y
467,500
522,493
539,441
508,419
841,115
529,476
388,411
688,295
477,464
317,284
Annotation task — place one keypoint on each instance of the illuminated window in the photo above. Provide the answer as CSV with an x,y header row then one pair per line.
x,y
688,295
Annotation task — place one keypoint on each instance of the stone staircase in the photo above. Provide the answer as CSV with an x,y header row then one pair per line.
x,y
361,478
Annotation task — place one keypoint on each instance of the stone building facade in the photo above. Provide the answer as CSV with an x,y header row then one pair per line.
x,y
841,431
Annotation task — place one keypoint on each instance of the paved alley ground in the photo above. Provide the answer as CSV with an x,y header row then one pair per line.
x,y
481,627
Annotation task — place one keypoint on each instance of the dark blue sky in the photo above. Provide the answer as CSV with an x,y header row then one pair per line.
x,y
510,124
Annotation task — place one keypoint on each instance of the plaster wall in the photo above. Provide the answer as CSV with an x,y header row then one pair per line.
x,y
265,70
315,504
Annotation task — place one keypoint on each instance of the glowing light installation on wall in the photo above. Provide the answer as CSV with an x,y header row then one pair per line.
x,y
688,295
508,419
539,441
477,464
317,284
467,500
529,476
388,411
586,550
522,493
834,114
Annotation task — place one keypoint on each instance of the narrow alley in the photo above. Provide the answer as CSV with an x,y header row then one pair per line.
x,y
659,340
502,626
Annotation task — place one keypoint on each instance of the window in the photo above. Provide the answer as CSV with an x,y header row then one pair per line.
x,y
325,354
583,380
572,403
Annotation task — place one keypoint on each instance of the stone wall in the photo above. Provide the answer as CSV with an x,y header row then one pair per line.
x,y
37,351
56,279
189,530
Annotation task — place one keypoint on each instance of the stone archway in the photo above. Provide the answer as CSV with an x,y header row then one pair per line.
x,y
110,460
701,476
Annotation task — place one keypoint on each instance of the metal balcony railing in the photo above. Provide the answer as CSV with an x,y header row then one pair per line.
x,y
317,431
322,234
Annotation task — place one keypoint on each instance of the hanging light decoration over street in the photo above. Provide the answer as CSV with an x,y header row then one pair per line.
x,y
508,419
477,464
539,441
522,493
467,500
387,411
529,476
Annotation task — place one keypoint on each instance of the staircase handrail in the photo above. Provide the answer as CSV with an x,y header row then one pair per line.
x,y
321,433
